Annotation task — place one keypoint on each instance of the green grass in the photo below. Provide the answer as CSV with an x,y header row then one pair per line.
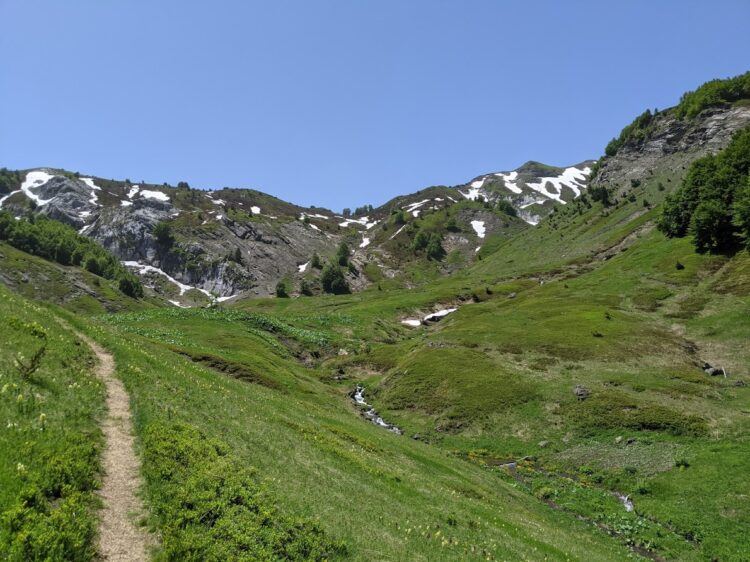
x,y
378,494
50,442
243,411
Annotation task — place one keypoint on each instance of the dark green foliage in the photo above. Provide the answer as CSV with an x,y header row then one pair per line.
x,y
54,241
364,210
601,194
333,281
506,207
163,234
420,241
130,286
212,508
435,250
9,180
451,225
712,203
281,290
715,92
741,215
305,288
342,254
398,218
315,261
180,185
637,130
429,243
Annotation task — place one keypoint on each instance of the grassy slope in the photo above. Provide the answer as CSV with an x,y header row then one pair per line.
x,y
49,441
74,288
493,382
384,495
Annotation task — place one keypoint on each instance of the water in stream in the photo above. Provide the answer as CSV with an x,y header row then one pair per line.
x,y
369,412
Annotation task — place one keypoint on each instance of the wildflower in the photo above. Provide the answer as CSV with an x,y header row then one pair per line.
x,y
43,420
21,468
19,398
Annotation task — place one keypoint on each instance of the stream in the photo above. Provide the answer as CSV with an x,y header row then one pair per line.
x,y
358,396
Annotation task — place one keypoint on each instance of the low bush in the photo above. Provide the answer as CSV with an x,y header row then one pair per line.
x,y
55,241
210,507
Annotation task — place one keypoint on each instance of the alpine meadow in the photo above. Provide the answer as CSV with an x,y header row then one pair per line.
x,y
540,363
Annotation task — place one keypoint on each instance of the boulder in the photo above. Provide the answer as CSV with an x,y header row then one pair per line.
x,y
581,392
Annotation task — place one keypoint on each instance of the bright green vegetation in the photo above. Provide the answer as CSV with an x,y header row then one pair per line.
x,y
713,203
342,486
9,180
596,298
710,94
50,442
637,130
715,92
60,243
571,376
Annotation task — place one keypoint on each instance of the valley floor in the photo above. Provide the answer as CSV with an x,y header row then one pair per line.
x,y
563,411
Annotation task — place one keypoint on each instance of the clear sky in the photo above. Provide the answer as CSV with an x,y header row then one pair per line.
x,y
346,102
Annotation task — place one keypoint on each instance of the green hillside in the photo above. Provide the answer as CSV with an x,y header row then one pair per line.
x,y
587,399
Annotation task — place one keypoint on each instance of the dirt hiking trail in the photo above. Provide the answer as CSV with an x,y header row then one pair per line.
x,y
120,537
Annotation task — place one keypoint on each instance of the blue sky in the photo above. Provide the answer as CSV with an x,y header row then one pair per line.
x,y
342,103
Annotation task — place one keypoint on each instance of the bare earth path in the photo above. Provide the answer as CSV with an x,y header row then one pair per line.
x,y
120,538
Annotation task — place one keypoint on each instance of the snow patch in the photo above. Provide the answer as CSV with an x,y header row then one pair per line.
x,y
158,195
255,210
473,193
94,188
478,227
413,322
36,178
397,232
572,178
364,221
365,242
439,314
2,199
303,267
133,191
510,181
143,269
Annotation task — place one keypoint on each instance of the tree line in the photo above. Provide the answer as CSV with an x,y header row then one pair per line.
x,y
58,242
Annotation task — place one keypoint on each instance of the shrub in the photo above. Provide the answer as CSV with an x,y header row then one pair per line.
x,y
506,208
210,506
600,193
333,281
305,288
713,202
342,254
163,235
281,290
55,241
315,261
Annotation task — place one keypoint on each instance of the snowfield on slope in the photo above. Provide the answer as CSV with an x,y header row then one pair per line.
x,y
572,178
479,228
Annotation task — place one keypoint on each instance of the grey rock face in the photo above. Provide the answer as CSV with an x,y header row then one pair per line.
x,y
672,144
